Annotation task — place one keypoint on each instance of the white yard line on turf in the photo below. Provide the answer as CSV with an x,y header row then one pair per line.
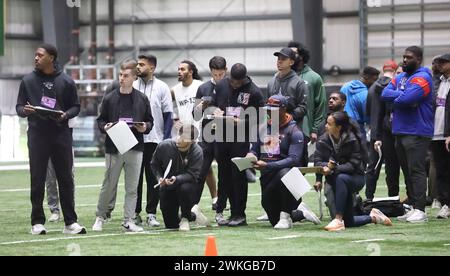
x,y
373,240
284,238
79,237
447,244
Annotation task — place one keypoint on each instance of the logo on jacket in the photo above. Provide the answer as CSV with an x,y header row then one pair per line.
x,y
49,85
244,98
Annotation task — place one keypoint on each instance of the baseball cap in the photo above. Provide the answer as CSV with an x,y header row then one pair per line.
x,y
442,58
276,102
390,65
286,52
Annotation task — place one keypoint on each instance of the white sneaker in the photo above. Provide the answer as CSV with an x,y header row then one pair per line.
x,y
264,217
308,214
184,225
38,229
436,205
151,221
74,229
130,226
380,218
200,219
54,217
444,213
405,217
98,225
285,222
418,217
335,226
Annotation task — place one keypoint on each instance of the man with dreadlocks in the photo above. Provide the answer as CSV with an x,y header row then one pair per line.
x,y
185,92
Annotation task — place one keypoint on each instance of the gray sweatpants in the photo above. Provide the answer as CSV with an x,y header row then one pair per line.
x,y
131,162
52,189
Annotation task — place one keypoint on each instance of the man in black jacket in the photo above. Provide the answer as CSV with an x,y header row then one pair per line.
x,y
205,93
124,104
179,187
49,136
239,99
381,138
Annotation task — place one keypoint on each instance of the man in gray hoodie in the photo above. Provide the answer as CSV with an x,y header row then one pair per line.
x,y
177,165
287,83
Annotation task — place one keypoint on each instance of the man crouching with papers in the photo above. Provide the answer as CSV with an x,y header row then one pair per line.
x,y
177,165
128,105
278,152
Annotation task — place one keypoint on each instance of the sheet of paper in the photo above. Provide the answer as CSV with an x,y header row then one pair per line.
x,y
244,163
122,137
311,149
307,170
296,183
166,173
380,154
395,198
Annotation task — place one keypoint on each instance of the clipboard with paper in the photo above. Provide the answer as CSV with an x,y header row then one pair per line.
x,y
296,183
122,137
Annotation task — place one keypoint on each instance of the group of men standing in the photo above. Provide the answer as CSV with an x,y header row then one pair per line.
x,y
176,170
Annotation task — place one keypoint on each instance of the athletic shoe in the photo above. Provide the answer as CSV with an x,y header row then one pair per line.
x,y
130,226
74,229
444,213
308,214
405,217
262,218
151,221
38,229
138,219
221,220
335,226
436,205
418,217
98,225
284,223
200,218
184,225
54,217
380,218
237,221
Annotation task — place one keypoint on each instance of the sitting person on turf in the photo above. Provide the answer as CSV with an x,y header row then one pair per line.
x,y
277,153
340,152
178,188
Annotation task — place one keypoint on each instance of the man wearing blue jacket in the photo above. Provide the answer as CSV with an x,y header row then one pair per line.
x,y
413,126
357,92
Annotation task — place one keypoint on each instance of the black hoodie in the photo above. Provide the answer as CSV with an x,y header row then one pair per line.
x,y
378,110
58,86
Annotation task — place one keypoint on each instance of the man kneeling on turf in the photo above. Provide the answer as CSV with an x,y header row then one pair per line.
x,y
279,152
178,188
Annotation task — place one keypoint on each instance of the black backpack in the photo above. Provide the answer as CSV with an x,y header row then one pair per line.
x,y
391,208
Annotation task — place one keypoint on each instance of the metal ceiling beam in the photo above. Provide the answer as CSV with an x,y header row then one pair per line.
x,y
193,19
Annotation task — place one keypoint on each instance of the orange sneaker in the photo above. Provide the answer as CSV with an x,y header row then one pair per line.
x,y
335,226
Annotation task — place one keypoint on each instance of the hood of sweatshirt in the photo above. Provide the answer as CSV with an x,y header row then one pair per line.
x,y
356,87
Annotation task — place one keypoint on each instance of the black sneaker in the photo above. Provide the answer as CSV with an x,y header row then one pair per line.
x,y
138,219
238,221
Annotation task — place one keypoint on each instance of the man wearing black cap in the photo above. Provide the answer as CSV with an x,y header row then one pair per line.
x,y
48,98
441,140
287,83
236,97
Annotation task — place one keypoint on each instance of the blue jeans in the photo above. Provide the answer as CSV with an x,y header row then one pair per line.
x,y
345,186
